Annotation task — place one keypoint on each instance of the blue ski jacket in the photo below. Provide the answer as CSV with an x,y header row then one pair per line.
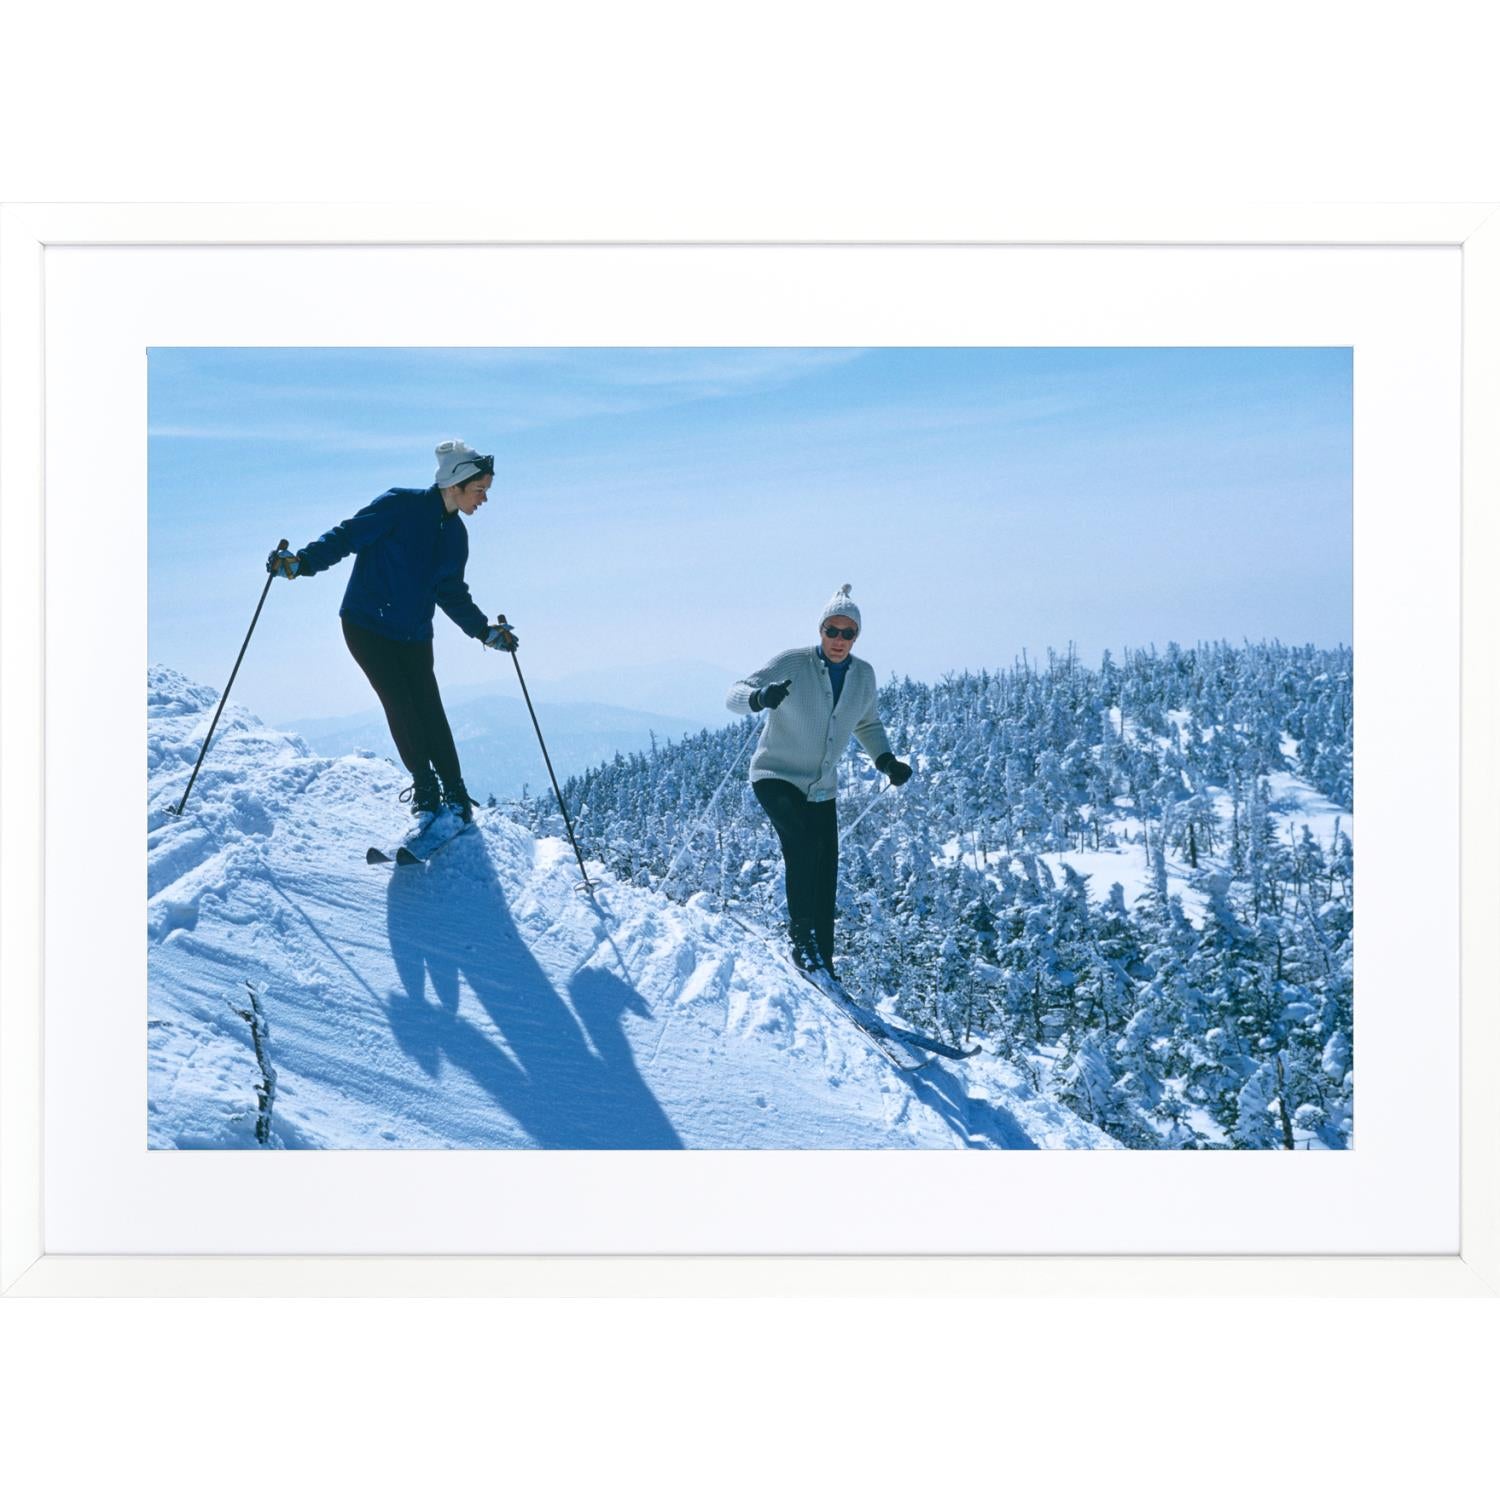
x,y
410,554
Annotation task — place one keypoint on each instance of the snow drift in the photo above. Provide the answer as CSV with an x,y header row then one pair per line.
x,y
482,1001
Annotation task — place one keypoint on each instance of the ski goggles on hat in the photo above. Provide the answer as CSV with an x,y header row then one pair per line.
x,y
481,463
838,632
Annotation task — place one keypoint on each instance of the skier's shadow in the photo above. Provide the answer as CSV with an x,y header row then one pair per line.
x,y
565,1075
981,1121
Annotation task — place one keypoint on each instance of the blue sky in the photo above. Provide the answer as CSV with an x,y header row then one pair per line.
x,y
663,506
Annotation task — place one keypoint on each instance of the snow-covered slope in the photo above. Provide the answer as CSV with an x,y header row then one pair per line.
x,y
483,1000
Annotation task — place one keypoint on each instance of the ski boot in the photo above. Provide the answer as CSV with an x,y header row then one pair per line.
x,y
425,796
806,956
456,796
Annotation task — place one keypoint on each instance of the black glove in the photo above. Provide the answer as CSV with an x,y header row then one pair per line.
x,y
502,638
897,770
283,564
770,696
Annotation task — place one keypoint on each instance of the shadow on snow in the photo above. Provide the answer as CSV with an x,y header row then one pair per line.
x,y
563,1072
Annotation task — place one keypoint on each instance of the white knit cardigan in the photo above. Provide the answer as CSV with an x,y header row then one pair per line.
x,y
805,735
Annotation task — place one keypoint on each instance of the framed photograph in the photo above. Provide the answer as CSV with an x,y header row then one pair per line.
x,y
682,761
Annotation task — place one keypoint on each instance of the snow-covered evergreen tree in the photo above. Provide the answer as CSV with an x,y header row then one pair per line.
x,y
1225,981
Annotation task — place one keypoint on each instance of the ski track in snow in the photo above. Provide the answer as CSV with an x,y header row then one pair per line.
x,y
484,1001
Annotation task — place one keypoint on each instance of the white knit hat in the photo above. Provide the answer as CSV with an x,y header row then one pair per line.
x,y
842,604
458,462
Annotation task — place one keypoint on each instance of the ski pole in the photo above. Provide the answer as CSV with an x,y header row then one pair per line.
x,y
280,547
588,885
845,832
687,843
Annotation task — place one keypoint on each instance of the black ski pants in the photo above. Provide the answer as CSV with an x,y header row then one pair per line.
x,y
809,834
402,676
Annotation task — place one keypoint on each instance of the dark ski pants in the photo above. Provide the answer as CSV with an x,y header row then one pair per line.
x,y
809,834
402,676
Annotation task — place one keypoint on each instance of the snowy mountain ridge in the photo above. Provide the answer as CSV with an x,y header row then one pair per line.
x,y
483,1001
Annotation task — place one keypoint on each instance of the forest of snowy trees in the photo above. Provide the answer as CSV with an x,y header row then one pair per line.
x,y
1210,1007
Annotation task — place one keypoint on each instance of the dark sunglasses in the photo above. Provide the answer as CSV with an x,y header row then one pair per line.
x,y
837,632
484,463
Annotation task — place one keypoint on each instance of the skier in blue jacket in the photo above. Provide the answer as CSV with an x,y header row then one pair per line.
x,y
410,549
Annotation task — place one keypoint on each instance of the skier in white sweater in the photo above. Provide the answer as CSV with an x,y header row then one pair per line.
x,y
815,697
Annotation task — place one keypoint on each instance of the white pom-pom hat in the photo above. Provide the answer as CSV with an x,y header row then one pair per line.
x,y
457,461
842,604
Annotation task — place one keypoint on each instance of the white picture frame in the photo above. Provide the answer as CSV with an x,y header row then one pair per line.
x,y
29,232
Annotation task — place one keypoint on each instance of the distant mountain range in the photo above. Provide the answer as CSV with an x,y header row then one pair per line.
x,y
691,690
497,743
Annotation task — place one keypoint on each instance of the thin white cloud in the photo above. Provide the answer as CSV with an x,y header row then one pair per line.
x,y
334,441
582,385
715,371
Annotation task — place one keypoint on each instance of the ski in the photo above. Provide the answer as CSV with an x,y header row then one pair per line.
x,y
916,1038
872,1020
417,850
873,1025
899,1054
